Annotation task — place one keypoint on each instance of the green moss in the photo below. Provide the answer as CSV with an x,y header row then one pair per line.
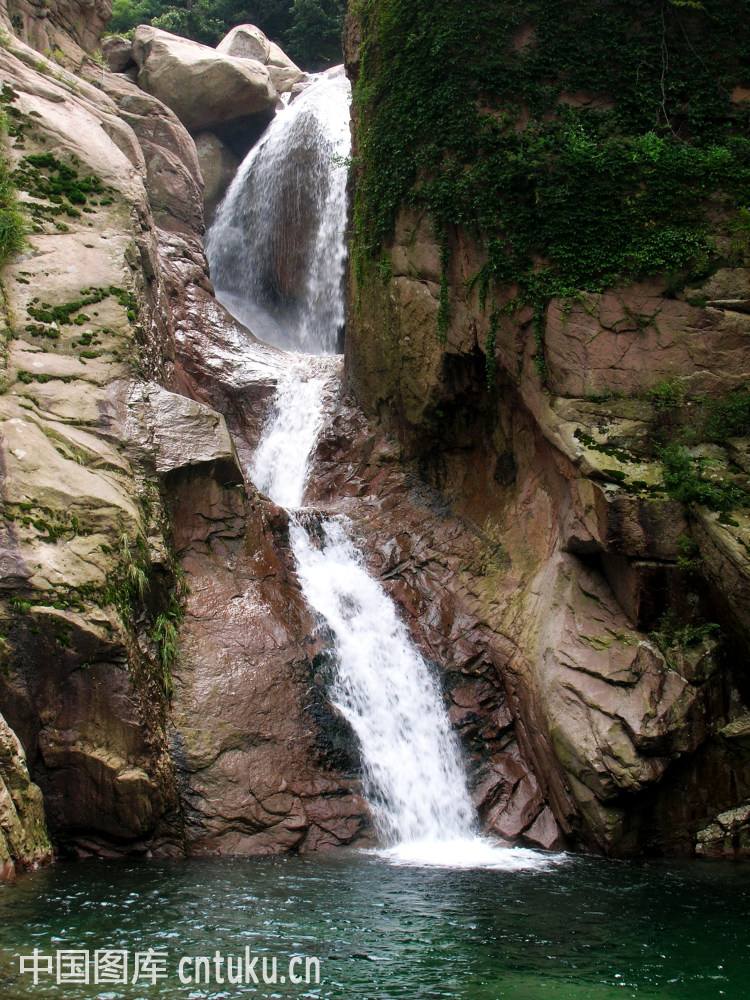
x,y
473,113
52,525
39,330
58,188
50,318
12,223
605,447
29,377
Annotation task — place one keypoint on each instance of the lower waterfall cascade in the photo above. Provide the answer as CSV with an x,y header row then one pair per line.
x,y
413,774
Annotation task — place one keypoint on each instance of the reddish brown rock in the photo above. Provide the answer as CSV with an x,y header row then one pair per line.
x,y
630,339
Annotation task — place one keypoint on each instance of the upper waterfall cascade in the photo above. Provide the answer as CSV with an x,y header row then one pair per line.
x,y
414,776
277,246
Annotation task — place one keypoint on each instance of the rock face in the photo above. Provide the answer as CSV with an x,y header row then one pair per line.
x,y
248,42
162,680
205,88
632,736
435,567
85,558
630,339
118,52
23,835
218,166
66,28
126,514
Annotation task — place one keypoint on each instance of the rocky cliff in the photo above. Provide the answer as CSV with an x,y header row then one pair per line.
x,y
550,307
541,441
129,532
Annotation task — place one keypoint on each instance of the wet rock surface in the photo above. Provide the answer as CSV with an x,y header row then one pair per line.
x,y
24,842
530,560
620,736
255,764
581,548
118,469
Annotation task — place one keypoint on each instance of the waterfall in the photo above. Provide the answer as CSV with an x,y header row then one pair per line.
x,y
412,769
413,773
280,464
276,249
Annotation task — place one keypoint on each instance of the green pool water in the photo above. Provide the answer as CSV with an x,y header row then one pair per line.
x,y
583,929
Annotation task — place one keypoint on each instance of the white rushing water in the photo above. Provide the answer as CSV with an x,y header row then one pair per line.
x,y
280,463
413,773
386,691
284,206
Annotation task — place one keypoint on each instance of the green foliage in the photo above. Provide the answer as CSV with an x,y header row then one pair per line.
x,y
12,225
477,114
315,32
133,559
681,422
673,635
310,30
688,558
165,635
667,395
727,417
684,480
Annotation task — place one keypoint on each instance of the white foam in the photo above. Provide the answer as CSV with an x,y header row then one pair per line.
x,y
280,464
467,852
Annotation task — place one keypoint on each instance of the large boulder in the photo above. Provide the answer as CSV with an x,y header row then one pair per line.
x,y
218,166
23,835
248,42
204,88
118,53
181,433
65,28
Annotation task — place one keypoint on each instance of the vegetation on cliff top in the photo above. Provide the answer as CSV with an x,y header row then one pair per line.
x,y
585,144
310,30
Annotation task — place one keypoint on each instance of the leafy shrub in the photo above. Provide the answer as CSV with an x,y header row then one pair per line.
x,y
165,635
728,417
12,223
684,481
667,395
672,634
